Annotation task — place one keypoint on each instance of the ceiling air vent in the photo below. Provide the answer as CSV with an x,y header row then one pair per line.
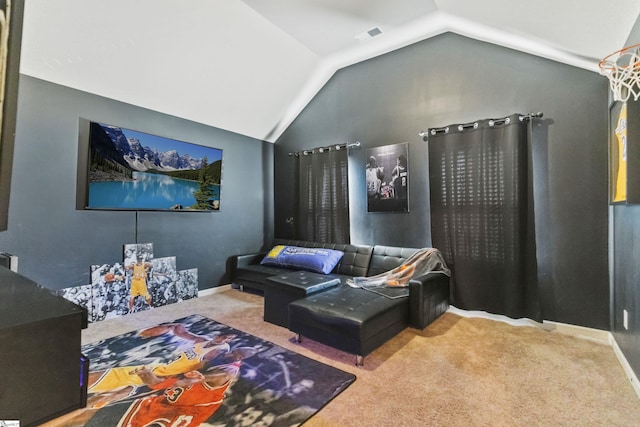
x,y
369,34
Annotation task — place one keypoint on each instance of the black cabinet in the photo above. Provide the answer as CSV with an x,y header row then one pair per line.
x,y
41,365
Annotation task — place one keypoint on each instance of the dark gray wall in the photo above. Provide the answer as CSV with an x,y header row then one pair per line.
x,y
453,79
626,278
56,244
626,268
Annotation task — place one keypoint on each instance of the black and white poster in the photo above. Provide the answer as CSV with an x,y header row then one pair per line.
x,y
387,178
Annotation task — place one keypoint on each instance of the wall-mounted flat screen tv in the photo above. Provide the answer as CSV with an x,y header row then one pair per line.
x,y
131,170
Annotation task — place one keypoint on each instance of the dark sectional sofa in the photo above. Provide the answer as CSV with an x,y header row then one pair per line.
x,y
325,309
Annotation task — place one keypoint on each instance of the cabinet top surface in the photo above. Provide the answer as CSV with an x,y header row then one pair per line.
x,y
23,301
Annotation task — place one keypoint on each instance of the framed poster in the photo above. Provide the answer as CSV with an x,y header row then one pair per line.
x,y
618,153
387,178
624,152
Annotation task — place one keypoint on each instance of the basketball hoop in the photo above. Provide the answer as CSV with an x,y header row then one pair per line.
x,y
622,68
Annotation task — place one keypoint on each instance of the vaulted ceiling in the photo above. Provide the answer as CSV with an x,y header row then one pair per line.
x,y
251,66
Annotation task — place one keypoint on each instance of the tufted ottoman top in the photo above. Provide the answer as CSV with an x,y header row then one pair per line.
x,y
355,311
304,282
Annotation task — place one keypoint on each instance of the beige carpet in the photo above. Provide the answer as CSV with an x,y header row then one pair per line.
x,y
457,372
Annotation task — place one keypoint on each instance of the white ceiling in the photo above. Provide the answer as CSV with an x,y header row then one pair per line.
x,y
251,66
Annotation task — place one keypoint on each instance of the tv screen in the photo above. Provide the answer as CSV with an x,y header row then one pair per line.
x,y
132,170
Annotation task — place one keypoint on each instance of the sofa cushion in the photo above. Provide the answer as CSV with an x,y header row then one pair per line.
x,y
385,258
355,261
319,260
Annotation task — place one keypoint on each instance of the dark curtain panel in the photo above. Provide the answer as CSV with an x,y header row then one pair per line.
x,y
482,214
323,197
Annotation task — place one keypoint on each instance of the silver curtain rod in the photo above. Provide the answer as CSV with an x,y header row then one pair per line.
x,y
492,122
327,148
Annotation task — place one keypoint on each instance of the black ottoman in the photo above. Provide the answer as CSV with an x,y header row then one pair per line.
x,y
350,319
280,290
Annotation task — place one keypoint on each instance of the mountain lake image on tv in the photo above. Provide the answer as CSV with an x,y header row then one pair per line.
x,y
131,170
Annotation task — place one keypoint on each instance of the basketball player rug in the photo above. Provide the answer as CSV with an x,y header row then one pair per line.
x,y
196,371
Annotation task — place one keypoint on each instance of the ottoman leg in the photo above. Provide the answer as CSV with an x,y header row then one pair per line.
x,y
297,338
359,360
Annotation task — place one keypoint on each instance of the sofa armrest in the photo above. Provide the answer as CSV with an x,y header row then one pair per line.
x,y
248,259
239,261
428,298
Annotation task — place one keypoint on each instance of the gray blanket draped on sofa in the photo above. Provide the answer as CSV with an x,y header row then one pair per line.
x,y
424,261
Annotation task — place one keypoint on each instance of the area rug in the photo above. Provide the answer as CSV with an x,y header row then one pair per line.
x,y
196,371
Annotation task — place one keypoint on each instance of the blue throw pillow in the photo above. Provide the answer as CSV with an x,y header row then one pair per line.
x,y
319,260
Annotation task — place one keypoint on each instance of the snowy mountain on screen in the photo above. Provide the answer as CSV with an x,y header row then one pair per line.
x,y
141,158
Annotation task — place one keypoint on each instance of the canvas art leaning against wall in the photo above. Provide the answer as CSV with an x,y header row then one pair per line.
x,y
140,282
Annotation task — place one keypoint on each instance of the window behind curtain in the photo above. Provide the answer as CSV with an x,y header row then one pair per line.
x,y
323,197
482,217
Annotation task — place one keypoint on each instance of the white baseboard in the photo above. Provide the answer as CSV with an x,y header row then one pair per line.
x,y
491,316
596,335
213,290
